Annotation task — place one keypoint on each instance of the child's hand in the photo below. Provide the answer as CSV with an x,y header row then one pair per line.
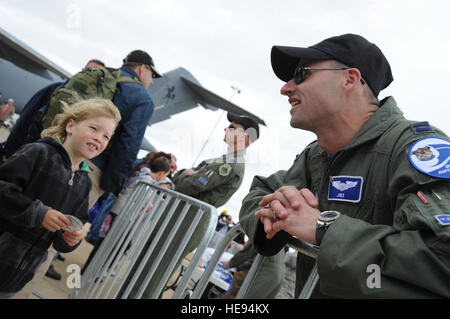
x,y
72,237
55,220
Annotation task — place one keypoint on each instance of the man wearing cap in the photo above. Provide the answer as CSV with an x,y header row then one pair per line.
x,y
111,168
213,181
373,191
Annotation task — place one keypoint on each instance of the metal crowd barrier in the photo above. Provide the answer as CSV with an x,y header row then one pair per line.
x,y
109,272
294,243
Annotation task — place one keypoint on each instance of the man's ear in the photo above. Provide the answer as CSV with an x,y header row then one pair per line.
x,y
353,77
139,71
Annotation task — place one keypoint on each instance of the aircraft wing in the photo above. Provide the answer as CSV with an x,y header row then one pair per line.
x,y
213,99
24,71
178,91
24,57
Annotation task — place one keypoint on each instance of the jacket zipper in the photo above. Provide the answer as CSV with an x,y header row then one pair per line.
x,y
327,177
71,179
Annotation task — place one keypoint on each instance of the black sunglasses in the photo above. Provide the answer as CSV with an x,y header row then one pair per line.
x,y
302,72
235,128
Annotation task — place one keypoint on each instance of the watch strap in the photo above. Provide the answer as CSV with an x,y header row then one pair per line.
x,y
324,221
320,233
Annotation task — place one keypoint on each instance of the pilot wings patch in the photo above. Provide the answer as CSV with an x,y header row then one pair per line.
x,y
345,188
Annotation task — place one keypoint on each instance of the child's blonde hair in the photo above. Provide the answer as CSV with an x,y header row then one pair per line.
x,y
81,111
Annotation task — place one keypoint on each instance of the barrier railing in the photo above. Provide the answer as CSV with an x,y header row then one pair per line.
x,y
109,275
219,249
294,243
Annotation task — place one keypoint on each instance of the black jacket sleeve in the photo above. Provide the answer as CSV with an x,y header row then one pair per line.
x,y
18,208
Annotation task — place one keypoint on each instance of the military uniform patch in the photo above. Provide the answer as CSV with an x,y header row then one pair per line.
x,y
345,188
224,169
203,180
431,155
444,220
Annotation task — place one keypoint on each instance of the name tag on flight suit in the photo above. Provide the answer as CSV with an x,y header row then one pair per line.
x,y
345,188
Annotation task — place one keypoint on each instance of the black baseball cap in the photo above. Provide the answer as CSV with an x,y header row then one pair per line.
x,y
246,122
139,56
351,49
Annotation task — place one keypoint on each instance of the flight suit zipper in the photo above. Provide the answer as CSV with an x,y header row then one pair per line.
x,y
328,179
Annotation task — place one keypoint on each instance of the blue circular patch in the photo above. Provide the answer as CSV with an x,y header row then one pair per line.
x,y
431,155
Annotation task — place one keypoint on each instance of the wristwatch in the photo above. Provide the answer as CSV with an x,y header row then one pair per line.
x,y
324,221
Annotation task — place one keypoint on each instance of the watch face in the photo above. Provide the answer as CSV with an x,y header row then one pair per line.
x,y
329,215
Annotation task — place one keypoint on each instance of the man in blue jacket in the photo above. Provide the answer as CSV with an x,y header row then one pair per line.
x,y
111,168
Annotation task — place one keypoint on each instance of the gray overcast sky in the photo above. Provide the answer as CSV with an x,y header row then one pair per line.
x,y
228,43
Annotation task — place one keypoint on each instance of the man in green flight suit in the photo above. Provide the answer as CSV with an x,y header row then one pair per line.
x,y
374,189
215,180
212,181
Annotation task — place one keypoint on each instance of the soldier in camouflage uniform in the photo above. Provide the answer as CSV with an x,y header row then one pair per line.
x,y
373,191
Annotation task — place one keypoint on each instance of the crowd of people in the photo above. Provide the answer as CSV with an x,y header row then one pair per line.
x,y
365,191
112,172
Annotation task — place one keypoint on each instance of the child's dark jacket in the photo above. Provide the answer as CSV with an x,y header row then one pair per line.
x,y
33,180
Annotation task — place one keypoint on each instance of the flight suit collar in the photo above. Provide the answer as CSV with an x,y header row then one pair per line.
x,y
235,157
375,126
378,123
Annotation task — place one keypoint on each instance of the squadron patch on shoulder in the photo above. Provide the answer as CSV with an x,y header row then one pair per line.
x,y
444,220
224,169
431,156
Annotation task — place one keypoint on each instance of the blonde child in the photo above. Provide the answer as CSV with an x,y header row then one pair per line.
x,y
44,181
